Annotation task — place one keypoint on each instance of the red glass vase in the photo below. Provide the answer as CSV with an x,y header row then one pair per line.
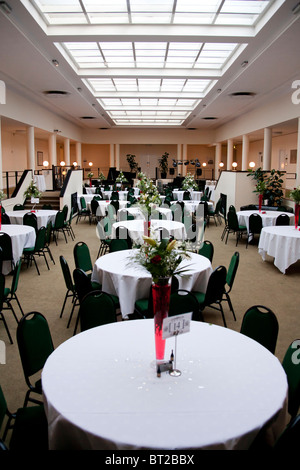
x,y
297,208
161,300
147,228
260,199
90,182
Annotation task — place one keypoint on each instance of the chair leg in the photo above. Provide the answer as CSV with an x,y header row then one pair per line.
x,y
6,327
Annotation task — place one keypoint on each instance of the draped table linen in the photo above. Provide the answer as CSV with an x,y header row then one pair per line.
x,y
136,229
268,217
22,236
119,275
101,391
43,216
282,243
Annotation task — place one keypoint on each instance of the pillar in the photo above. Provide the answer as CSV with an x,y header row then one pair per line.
x,y
218,156
267,149
111,156
30,148
229,154
117,155
52,149
245,153
78,156
67,152
184,157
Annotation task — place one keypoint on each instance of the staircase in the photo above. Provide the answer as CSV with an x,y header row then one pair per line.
x,y
48,197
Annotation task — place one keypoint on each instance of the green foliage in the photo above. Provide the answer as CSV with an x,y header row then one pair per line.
x,y
163,163
269,184
132,163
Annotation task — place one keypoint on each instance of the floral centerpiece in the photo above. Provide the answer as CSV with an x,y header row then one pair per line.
x,y
121,178
161,260
189,183
90,176
101,176
295,195
149,199
32,191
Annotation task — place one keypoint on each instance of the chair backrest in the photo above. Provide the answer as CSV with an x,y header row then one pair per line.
x,y
65,210
66,272
114,196
289,439
94,206
106,223
186,196
59,220
232,269
16,275
40,239
205,206
83,283
2,287
207,250
82,203
82,257
183,301
48,233
96,308
260,324
216,285
232,220
118,245
6,245
30,219
47,207
291,365
18,207
255,223
34,342
5,219
283,219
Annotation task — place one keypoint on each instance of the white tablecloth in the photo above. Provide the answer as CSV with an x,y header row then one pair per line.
x,y
39,180
101,390
138,214
22,236
120,276
281,242
268,217
195,195
136,229
90,190
43,217
122,195
102,206
191,206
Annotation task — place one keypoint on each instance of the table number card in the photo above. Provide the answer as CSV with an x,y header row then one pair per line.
x,y
176,325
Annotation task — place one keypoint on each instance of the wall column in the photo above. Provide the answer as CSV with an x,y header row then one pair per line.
x,y
245,153
184,157
117,154
298,156
218,155
52,149
267,149
67,152
229,154
78,156
111,156
30,149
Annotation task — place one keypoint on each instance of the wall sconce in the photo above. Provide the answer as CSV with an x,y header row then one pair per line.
x,y
251,165
234,165
204,164
75,164
62,163
221,164
90,163
45,163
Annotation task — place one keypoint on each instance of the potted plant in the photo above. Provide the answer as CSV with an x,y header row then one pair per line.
x,y
132,163
295,195
163,165
268,185
101,176
33,193
189,183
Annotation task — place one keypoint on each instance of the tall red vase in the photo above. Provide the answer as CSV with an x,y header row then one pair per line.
x,y
147,228
90,182
260,199
161,300
297,208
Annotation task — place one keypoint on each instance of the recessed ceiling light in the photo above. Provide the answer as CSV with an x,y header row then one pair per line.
x,y
56,93
242,94
87,117
209,118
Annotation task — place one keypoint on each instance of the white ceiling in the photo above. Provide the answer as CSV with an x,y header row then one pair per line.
x,y
271,56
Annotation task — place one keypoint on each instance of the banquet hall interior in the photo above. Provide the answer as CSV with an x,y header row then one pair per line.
x,y
87,86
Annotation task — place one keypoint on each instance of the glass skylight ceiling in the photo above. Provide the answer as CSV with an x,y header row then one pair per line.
x,y
156,79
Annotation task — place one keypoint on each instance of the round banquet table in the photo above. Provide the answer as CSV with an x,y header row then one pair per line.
x,y
268,217
138,213
120,275
43,216
282,243
195,195
101,390
22,236
136,229
102,207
